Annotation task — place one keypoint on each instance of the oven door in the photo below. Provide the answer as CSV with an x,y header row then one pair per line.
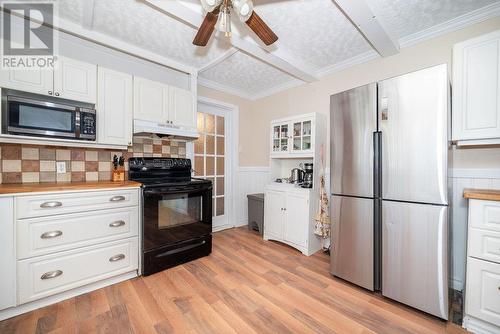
x,y
40,118
176,214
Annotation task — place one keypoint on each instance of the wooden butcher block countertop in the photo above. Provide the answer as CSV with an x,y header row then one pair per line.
x,y
69,186
482,194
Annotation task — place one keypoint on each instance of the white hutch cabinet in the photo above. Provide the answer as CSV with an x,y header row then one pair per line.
x,y
289,210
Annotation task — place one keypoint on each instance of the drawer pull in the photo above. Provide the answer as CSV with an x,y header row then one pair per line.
x,y
52,234
51,205
117,223
52,274
117,258
117,198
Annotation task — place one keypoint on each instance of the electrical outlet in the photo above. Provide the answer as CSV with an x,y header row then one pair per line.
x,y
61,167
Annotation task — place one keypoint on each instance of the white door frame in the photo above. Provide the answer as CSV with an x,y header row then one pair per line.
x,y
231,161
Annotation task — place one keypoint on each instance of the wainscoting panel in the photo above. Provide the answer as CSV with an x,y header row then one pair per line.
x,y
250,180
461,179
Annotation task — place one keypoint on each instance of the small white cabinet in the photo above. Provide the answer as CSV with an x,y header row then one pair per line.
x,y
287,217
160,103
75,80
114,107
482,298
293,137
476,89
71,79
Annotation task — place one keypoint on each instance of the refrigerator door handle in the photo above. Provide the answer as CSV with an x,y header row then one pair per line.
x,y
377,164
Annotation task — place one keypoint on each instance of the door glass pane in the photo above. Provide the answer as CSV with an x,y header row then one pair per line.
x,y
284,144
306,143
296,144
297,129
276,145
276,132
284,131
209,161
307,128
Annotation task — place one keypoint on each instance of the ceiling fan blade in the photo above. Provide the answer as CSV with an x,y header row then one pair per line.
x,y
261,29
206,29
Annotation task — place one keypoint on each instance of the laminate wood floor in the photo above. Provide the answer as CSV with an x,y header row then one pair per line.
x,y
247,285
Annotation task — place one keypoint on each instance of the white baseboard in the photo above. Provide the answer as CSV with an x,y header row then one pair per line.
x,y
12,312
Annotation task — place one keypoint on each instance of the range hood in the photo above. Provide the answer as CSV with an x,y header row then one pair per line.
x,y
142,127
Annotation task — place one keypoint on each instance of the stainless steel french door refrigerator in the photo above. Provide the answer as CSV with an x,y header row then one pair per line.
x,y
389,162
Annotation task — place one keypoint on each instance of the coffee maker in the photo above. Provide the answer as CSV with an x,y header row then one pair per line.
x,y
308,177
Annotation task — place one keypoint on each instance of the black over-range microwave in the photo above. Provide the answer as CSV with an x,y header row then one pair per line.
x,y
29,114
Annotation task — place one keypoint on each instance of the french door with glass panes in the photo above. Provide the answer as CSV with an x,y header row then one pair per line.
x,y
210,161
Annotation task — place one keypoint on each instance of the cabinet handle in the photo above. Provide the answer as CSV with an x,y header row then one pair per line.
x,y
51,204
52,274
56,94
117,198
51,234
117,223
117,258
50,92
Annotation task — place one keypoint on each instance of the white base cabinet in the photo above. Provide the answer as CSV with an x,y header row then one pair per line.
x,y
57,244
482,292
287,218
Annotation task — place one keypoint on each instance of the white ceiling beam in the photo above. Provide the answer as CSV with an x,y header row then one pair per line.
x,y
361,15
218,60
88,14
278,57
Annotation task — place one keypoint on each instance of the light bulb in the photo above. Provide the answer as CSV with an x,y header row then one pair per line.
x,y
210,5
225,22
243,8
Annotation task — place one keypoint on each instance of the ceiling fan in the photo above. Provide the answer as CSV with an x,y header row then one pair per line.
x,y
220,10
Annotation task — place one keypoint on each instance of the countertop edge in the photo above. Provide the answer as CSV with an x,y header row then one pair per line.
x,y
43,188
482,194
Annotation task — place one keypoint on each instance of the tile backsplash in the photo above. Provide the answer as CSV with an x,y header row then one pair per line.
x,y
33,163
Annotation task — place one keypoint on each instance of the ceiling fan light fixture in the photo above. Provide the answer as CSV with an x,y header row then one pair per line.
x,y
243,8
225,21
210,5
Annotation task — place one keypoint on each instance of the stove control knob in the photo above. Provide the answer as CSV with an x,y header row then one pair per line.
x,y
144,168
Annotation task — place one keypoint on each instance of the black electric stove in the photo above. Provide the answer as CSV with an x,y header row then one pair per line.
x,y
177,212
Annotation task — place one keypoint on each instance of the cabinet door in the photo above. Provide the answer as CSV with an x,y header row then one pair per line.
x,y
275,202
114,107
302,136
297,219
482,298
476,87
40,81
181,111
280,138
150,100
75,80
7,254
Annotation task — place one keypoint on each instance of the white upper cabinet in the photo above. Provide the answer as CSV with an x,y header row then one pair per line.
x,y
71,79
114,107
39,81
161,103
150,100
181,111
476,88
293,137
75,80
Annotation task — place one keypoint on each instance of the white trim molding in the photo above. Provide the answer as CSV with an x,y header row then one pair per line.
x,y
476,173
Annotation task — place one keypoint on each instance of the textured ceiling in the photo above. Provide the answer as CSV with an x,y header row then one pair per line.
x,y
245,73
405,17
315,32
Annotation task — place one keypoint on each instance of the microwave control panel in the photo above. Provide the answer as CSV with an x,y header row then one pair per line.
x,y
87,124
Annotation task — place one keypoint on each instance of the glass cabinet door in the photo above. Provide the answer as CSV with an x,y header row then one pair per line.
x,y
302,134
280,138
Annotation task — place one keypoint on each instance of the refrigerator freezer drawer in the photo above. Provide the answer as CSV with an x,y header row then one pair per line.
x,y
352,240
414,123
415,254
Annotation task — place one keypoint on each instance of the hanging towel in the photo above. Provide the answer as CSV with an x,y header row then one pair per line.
x,y
322,226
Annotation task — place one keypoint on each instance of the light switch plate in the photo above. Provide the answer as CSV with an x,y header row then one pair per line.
x,y
61,167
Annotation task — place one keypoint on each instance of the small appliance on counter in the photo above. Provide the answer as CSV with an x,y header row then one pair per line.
x,y
308,176
177,212
297,176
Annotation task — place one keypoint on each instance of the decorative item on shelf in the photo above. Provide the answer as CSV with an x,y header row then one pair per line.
x,y
118,169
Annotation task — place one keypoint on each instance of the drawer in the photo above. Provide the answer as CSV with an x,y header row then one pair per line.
x,y
40,236
484,215
484,244
482,298
48,205
47,275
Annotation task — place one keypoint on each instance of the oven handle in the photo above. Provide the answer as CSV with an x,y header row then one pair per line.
x,y
172,190
181,249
